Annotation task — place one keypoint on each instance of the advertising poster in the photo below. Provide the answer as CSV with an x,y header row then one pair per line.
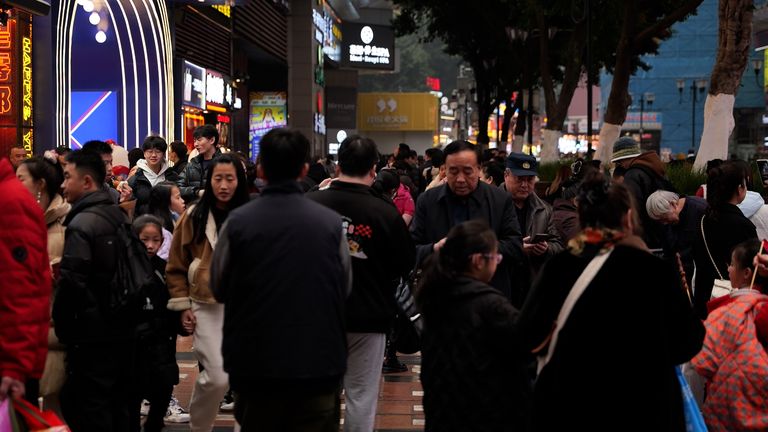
x,y
267,111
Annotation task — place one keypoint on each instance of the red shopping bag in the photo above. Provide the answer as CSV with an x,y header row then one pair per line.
x,y
38,421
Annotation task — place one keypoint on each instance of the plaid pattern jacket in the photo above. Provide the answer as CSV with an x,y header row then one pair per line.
x,y
735,365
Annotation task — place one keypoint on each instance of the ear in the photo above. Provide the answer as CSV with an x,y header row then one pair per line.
x,y
304,170
747,273
628,221
476,262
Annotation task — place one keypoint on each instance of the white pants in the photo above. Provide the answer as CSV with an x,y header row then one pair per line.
x,y
213,382
365,354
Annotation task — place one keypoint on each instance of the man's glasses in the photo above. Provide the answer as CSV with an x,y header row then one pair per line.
x,y
497,256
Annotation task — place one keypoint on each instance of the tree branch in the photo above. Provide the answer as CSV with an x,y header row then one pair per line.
x,y
667,21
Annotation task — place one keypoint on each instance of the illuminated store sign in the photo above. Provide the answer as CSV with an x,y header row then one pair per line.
x,y
328,31
219,94
194,93
369,46
16,104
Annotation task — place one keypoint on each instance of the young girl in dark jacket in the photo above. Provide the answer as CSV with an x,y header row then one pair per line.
x,y
473,368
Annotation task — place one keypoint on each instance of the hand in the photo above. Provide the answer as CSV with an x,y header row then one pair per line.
x,y
125,191
11,387
200,192
133,170
436,247
761,263
535,249
188,321
325,183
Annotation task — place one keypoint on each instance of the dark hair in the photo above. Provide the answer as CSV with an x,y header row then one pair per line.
x,y
432,151
317,172
146,219
387,182
452,260
602,205
206,131
495,171
62,150
153,142
460,146
160,203
438,158
745,252
134,156
283,154
722,183
88,163
357,155
199,214
180,149
99,147
564,172
43,169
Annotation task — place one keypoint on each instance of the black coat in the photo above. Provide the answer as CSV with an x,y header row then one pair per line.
x,y
434,218
281,268
473,367
729,229
681,237
192,179
632,325
87,268
142,188
381,250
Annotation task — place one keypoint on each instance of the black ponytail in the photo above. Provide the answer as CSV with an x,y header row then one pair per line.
x,y
723,183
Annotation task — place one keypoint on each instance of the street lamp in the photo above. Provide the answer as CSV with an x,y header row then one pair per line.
x,y
696,84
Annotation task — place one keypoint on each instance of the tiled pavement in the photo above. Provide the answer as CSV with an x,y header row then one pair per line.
x,y
399,408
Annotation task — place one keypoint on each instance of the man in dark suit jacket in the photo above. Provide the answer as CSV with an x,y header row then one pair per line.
x,y
464,197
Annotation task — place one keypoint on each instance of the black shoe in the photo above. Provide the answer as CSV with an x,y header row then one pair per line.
x,y
393,366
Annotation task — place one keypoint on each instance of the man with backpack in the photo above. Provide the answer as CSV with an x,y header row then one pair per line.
x,y
88,310
645,174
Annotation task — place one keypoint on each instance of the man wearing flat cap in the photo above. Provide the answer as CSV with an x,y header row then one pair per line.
x,y
645,174
540,237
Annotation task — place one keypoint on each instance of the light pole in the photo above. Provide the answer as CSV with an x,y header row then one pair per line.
x,y
698,86
645,98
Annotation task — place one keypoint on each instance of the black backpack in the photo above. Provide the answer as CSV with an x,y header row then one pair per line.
x,y
134,277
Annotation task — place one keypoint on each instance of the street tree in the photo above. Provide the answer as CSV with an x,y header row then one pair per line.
x,y
734,36
644,25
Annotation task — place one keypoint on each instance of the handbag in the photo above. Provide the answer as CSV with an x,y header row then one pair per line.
x,y
37,420
574,294
8,421
694,421
408,324
721,287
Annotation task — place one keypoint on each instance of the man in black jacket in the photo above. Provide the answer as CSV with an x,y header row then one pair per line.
x,y
382,252
192,180
465,197
284,342
98,393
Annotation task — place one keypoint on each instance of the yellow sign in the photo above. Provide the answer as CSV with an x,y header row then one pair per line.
x,y
26,79
225,10
397,112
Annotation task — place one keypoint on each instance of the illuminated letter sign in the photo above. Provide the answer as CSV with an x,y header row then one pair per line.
x,y
368,46
26,79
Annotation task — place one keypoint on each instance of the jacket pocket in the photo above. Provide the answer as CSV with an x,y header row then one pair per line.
x,y
192,274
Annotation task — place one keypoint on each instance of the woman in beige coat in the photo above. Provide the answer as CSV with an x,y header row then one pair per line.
x,y
42,178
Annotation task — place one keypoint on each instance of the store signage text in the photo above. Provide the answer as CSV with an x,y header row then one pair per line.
x,y
370,47
320,123
26,80
194,93
6,68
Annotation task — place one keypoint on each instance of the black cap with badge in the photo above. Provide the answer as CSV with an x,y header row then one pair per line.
x,y
521,164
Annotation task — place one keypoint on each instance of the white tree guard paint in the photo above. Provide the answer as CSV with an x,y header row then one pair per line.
x,y
609,133
718,125
517,143
549,146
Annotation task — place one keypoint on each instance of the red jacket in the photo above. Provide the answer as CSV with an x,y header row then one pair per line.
x,y
25,280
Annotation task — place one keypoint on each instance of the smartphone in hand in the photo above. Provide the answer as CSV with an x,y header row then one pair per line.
x,y
539,238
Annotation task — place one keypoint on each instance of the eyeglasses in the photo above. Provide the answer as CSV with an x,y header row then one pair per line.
x,y
153,152
497,256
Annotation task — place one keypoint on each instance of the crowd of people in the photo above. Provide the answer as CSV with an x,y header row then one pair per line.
x,y
284,273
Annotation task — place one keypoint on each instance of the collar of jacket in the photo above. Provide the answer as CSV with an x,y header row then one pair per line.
x,y
651,161
465,286
348,186
444,192
199,158
285,187
99,197
634,242
534,203
57,209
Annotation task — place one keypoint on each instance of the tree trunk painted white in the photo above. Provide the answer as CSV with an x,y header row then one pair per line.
x,y
550,150
718,125
609,133
517,143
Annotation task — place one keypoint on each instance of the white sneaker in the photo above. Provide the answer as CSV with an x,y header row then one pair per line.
x,y
175,413
227,406
144,407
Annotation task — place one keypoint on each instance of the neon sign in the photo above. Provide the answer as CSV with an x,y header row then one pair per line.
x,y
6,67
26,79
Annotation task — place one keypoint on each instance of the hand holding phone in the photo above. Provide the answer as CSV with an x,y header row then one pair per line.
x,y
540,238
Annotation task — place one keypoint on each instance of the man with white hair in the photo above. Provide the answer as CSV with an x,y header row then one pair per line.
x,y
681,217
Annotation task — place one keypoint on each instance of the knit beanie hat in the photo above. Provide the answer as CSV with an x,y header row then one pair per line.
x,y
625,148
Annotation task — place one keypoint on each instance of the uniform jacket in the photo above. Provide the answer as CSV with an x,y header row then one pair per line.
x,y
282,270
735,365
189,264
381,251
26,280
192,179
632,325
87,272
473,363
434,218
